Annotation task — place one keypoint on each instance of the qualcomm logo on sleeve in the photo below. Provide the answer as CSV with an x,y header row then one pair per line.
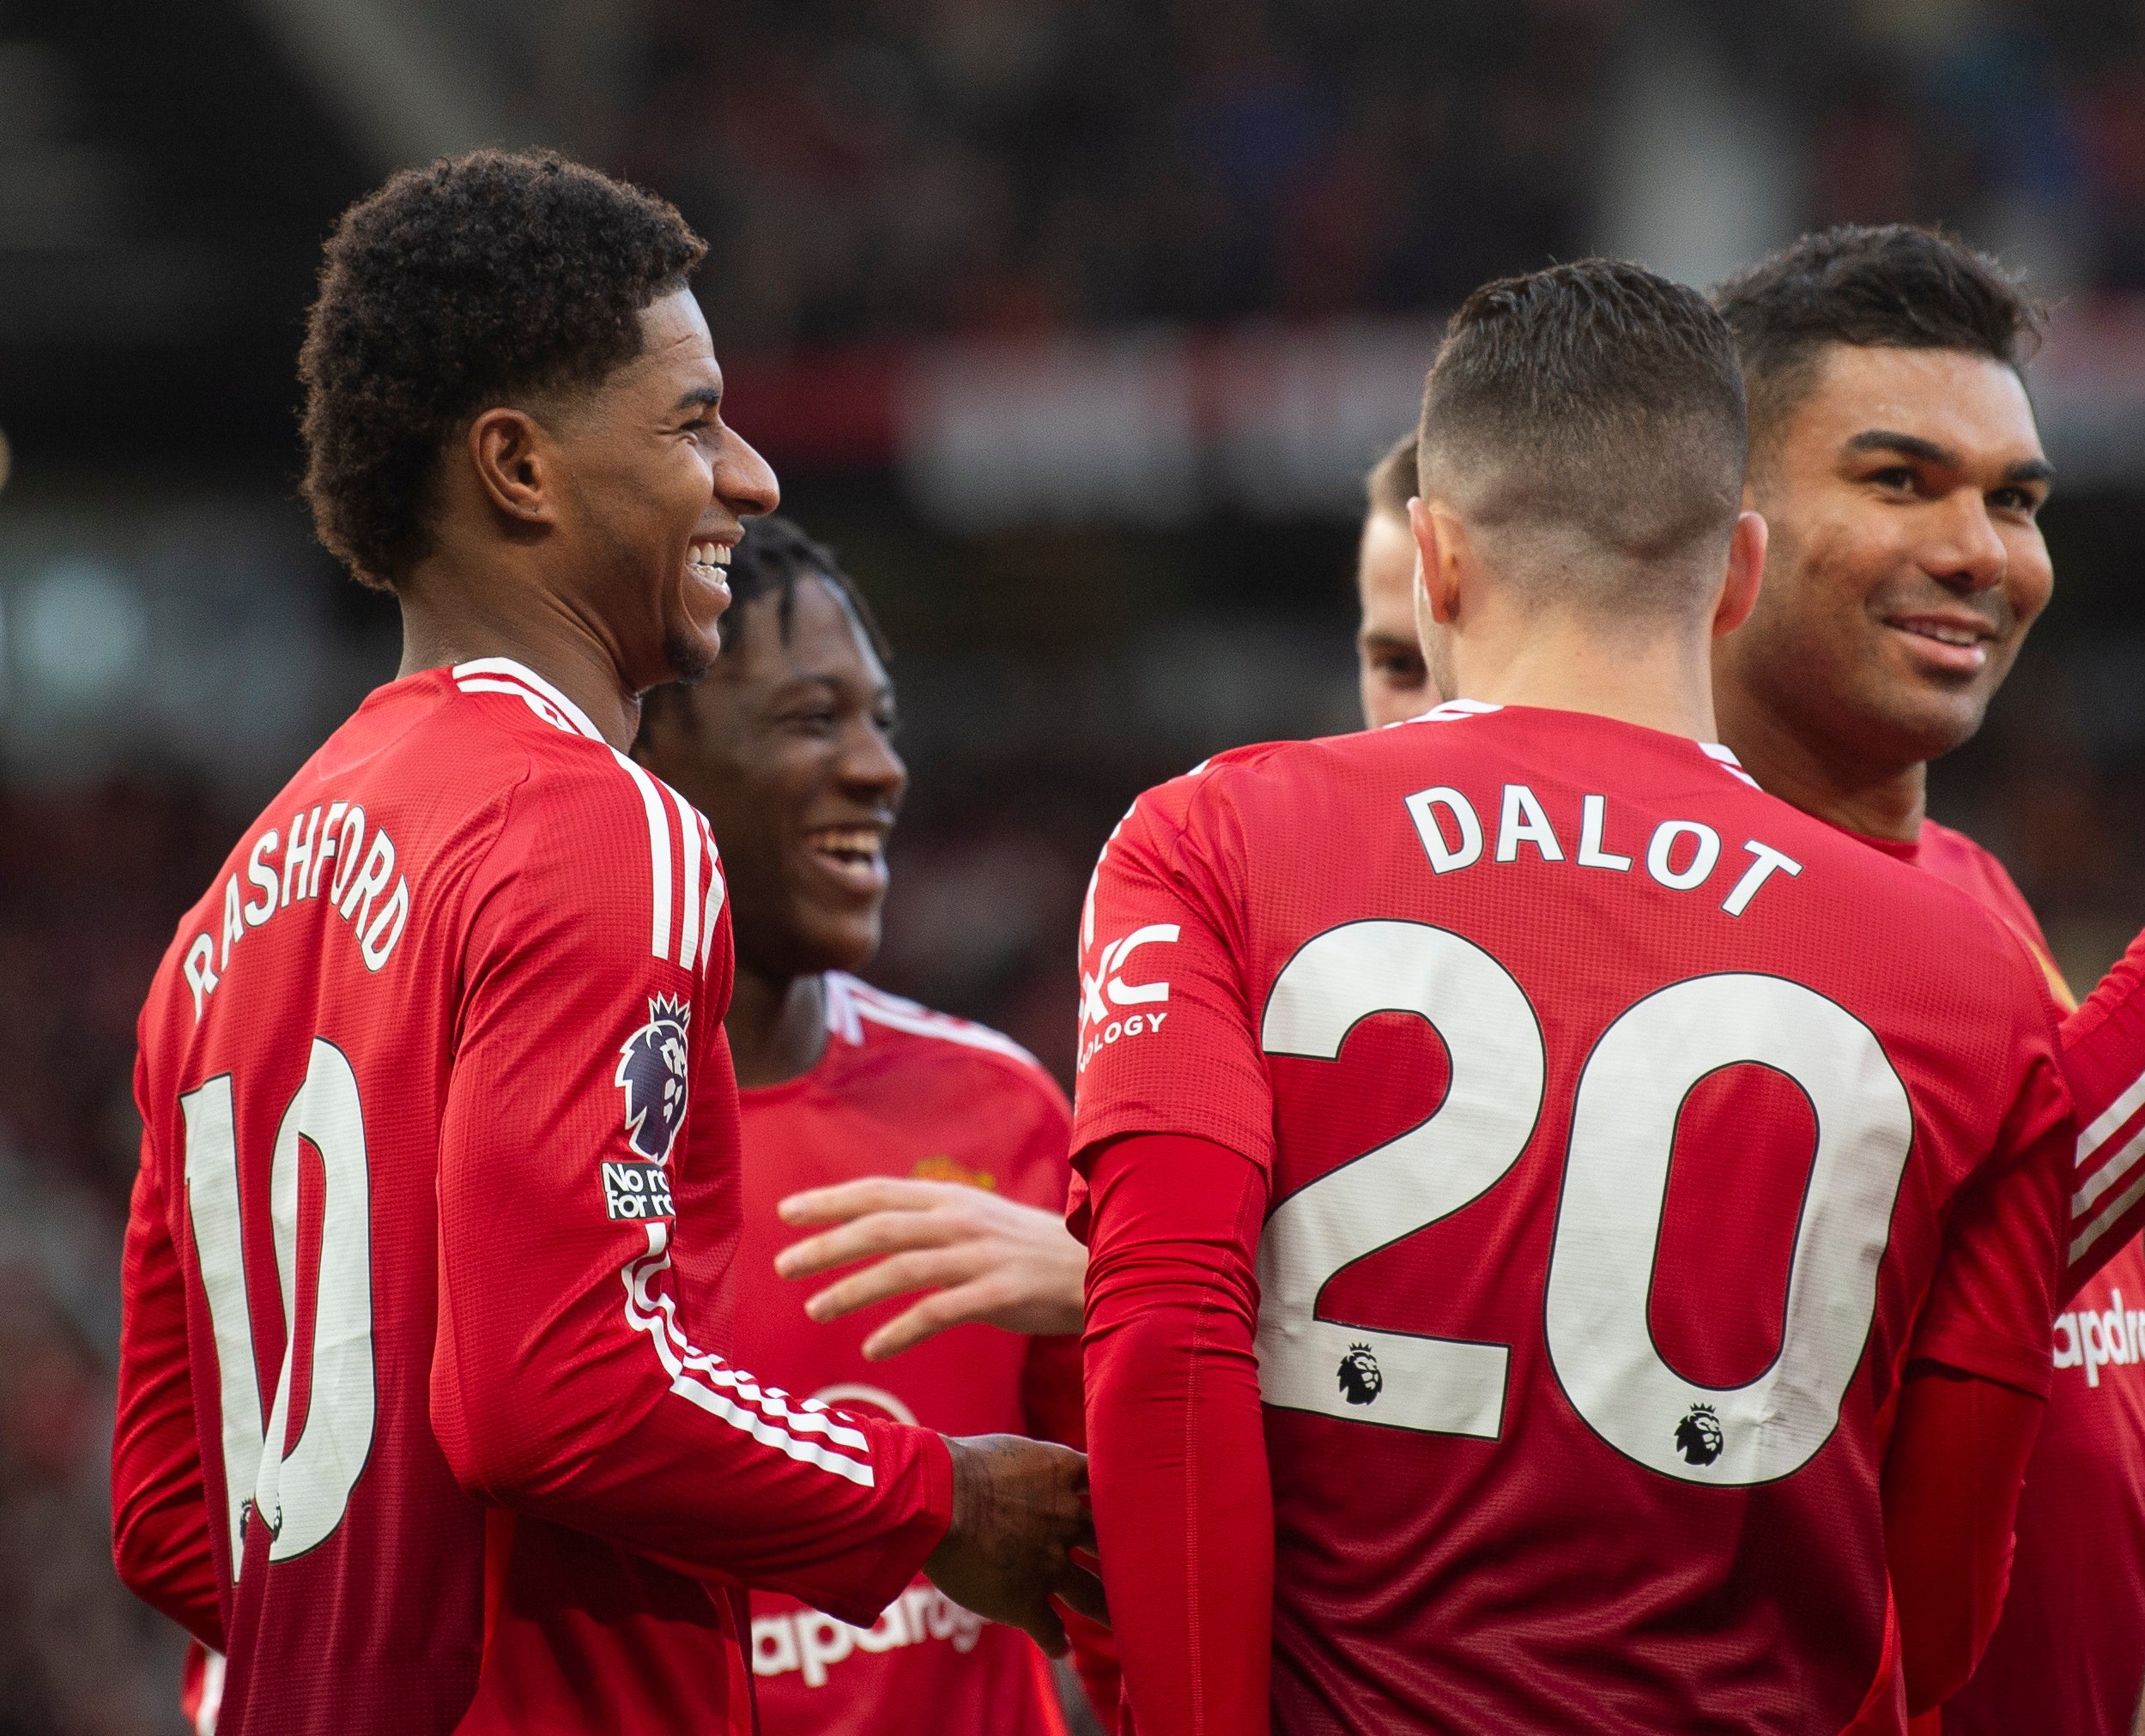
x,y
1106,991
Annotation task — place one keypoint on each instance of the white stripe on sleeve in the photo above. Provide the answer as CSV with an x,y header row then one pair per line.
x,y
658,854
689,830
706,1381
714,891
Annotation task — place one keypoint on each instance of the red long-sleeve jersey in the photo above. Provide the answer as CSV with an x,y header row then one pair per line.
x,y
1617,1140
2069,1654
902,1090
422,1413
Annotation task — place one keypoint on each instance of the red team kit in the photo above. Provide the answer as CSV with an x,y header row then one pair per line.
x,y
1608,1194
416,1084
903,1090
427,1258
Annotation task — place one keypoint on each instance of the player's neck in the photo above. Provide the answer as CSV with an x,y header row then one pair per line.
x,y
1658,683
777,1027
446,623
1876,800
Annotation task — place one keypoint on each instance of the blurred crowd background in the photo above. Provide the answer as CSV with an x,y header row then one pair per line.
x,y
1070,323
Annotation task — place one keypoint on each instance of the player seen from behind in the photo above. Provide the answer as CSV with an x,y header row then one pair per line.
x,y
1895,459
787,748
424,1414
1591,1162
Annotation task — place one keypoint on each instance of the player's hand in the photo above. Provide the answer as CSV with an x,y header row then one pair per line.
x,y
1020,1510
982,1258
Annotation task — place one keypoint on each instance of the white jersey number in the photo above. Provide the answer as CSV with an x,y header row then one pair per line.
x,y
1429,1172
303,1489
1601,1265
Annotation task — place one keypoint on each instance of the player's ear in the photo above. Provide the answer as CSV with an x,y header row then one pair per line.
x,y
1441,553
515,466
1746,571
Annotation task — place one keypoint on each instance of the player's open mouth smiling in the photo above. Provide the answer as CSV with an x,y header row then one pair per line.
x,y
709,562
1956,644
853,854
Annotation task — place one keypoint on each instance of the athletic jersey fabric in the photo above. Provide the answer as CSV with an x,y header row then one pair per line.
x,y
422,1415
903,1090
2067,1657
1958,861
1626,1132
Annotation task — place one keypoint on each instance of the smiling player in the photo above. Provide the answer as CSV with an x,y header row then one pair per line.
x,y
1896,460
787,748
1573,1195
422,1415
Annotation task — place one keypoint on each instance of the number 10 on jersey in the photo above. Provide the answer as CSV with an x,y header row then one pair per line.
x,y
303,1491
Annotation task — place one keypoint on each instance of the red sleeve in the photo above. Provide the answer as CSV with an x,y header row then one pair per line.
x,y
1168,1040
571,1377
1052,1408
1951,1491
1051,1405
1994,1293
2104,1053
160,1503
1184,1506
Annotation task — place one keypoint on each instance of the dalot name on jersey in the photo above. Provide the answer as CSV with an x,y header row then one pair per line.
x,y
283,869
1680,855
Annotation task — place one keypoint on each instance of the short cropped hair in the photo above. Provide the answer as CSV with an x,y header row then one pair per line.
x,y
1390,483
478,281
1892,287
1599,401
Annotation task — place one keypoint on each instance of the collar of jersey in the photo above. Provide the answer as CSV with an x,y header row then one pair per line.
x,y
1453,710
505,675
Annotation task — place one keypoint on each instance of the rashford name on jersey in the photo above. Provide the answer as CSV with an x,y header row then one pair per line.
x,y
420,1417
280,873
1624,1134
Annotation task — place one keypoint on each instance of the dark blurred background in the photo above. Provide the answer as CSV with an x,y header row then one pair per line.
x,y
1071,323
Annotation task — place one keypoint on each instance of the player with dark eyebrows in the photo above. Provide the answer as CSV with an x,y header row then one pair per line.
x,y
424,1413
787,747
1011,1270
1533,1179
1895,457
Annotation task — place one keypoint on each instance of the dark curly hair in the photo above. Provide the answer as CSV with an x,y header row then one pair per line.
x,y
476,281
1893,285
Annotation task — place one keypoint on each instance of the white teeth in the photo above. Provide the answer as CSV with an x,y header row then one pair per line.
x,y
1942,631
710,554
847,841
718,554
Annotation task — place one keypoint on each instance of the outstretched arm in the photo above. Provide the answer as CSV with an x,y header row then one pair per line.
x,y
983,1257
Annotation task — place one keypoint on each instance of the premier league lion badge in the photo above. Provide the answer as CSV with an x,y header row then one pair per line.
x,y
652,1074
